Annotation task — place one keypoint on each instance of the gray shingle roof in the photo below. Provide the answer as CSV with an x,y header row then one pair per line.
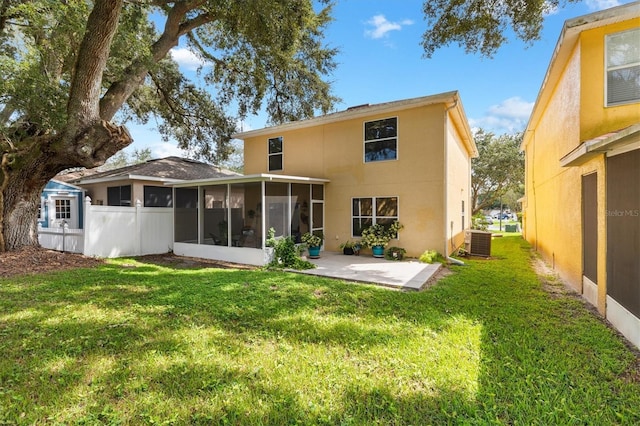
x,y
164,168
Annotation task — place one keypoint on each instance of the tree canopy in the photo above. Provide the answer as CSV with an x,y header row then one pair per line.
x,y
73,72
263,52
497,171
481,26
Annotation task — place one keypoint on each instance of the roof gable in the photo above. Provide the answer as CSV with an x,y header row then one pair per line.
x,y
56,185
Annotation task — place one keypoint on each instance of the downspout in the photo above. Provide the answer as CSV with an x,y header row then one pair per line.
x,y
533,187
445,180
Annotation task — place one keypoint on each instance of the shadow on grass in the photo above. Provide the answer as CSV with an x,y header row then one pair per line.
x,y
146,343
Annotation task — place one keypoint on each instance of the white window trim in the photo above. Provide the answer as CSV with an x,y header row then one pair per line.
x,y
373,211
364,141
607,37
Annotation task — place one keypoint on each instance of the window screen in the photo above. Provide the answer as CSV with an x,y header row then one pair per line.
x,y
119,195
157,196
623,67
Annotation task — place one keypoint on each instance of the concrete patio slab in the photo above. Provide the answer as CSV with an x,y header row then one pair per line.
x,y
408,275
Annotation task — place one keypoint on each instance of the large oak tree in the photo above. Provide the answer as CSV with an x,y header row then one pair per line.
x,y
72,72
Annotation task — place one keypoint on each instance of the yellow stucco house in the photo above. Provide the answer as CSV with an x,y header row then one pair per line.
x,y
582,155
407,160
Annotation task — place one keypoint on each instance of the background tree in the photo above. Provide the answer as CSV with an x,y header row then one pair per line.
x,y
73,72
498,169
122,159
480,26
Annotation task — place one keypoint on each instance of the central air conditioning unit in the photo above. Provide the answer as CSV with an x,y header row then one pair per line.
x,y
478,243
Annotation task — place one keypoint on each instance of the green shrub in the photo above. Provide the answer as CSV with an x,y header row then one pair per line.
x,y
431,256
285,253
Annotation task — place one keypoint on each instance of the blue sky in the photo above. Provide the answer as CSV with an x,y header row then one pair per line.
x,y
381,60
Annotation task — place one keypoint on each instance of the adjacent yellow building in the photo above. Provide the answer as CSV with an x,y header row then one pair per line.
x,y
582,155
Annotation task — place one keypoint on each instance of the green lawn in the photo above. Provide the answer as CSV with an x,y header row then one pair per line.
x,y
135,343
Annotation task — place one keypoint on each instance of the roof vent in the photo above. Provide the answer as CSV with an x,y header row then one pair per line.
x,y
357,106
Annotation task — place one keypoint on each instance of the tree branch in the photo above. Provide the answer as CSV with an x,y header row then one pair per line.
x,y
202,51
84,96
135,74
196,22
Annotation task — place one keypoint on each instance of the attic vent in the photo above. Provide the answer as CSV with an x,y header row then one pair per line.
x,y
478,243
357,106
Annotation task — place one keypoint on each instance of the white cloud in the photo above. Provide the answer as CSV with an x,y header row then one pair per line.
x,y
602,4
165,149
509,116
514,107
381,26
186,58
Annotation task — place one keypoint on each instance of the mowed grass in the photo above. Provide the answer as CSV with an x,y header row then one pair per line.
x,y
135,343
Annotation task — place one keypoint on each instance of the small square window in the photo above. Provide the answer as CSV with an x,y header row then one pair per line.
x,y
63,209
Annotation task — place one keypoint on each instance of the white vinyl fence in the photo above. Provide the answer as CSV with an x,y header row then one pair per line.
x,y
61,239
115,232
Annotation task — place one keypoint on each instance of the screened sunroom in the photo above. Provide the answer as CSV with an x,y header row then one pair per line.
x,y
228,218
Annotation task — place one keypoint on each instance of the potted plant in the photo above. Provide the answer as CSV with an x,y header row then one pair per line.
x,y
394,253
350,247
377,237
313,241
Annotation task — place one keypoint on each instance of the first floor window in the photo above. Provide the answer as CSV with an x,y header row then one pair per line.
x,y
275,154
119,195
157,196
63,209
623,67
368,211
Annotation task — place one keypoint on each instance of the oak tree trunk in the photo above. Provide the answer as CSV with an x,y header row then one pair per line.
x,y
25,172
87,140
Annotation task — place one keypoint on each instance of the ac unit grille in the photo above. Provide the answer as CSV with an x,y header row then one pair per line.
x,y
478,243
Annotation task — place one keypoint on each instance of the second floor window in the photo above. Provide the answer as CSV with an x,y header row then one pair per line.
x,y
275,154
381,140
623,67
